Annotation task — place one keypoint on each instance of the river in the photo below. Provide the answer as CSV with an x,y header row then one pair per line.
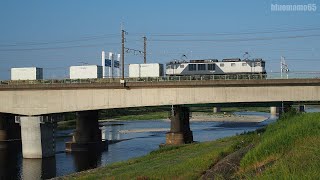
x,y
129,139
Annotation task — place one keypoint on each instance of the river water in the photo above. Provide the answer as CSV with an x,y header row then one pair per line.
x,y
129,139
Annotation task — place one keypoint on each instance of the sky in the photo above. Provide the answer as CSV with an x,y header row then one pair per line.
x,y
57,34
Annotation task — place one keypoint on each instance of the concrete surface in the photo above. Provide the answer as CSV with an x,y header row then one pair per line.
x,y
55,98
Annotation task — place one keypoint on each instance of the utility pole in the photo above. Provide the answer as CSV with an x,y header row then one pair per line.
x,y
145,49
281,66
122,52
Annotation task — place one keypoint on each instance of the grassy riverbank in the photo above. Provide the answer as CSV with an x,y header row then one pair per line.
x,y
288,149
180,162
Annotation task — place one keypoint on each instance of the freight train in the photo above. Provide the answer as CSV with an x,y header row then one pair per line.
x,y
203,68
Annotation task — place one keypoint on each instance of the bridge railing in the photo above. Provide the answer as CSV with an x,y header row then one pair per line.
x,y
276,75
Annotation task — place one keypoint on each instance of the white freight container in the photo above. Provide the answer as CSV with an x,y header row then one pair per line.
x,y
146,70
85,72
26,73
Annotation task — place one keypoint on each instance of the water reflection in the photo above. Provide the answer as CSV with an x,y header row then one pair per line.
x,y
9,160
86,160
312,109
38,168
111,131
130,139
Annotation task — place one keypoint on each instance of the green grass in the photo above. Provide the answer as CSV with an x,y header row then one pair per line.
x,y
140,113
68,124
145,116
237,109
289,149
177,162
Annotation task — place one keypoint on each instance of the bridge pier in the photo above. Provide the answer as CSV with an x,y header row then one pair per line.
x,y
216,109
87,135
274,110
180,132
37,136
301,108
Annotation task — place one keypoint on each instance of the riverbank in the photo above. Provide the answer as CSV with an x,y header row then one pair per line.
x,y
288,148
161,113
200,117
226,117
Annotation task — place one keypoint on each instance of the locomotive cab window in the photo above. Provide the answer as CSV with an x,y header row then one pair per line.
x,y
211,67
192,67
244,64
233,64
221,65
201,67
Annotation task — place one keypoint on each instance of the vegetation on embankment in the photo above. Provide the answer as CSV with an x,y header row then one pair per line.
x,y
176,162
289,149
137,113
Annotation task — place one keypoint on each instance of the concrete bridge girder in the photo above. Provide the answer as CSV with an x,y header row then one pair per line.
x,y
56,98
29,102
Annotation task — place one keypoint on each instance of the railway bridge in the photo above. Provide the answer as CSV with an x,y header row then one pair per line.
x,y
36,106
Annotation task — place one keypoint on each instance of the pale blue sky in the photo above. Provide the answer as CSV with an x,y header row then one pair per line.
x,y
57,34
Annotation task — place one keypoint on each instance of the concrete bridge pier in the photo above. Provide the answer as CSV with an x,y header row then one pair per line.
x,y
180,132
216,109
37,136
301,108
87,135
274,110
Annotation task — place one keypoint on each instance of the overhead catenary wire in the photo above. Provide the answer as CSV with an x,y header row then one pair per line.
x,y
83,39
158,40
57,48
232,33
103,36
235,40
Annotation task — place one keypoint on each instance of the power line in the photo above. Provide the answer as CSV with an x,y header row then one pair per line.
x,y
232,34
58,41
235,40
56,48
94,37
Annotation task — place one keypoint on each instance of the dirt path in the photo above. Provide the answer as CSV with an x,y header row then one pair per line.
x,y
226,167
